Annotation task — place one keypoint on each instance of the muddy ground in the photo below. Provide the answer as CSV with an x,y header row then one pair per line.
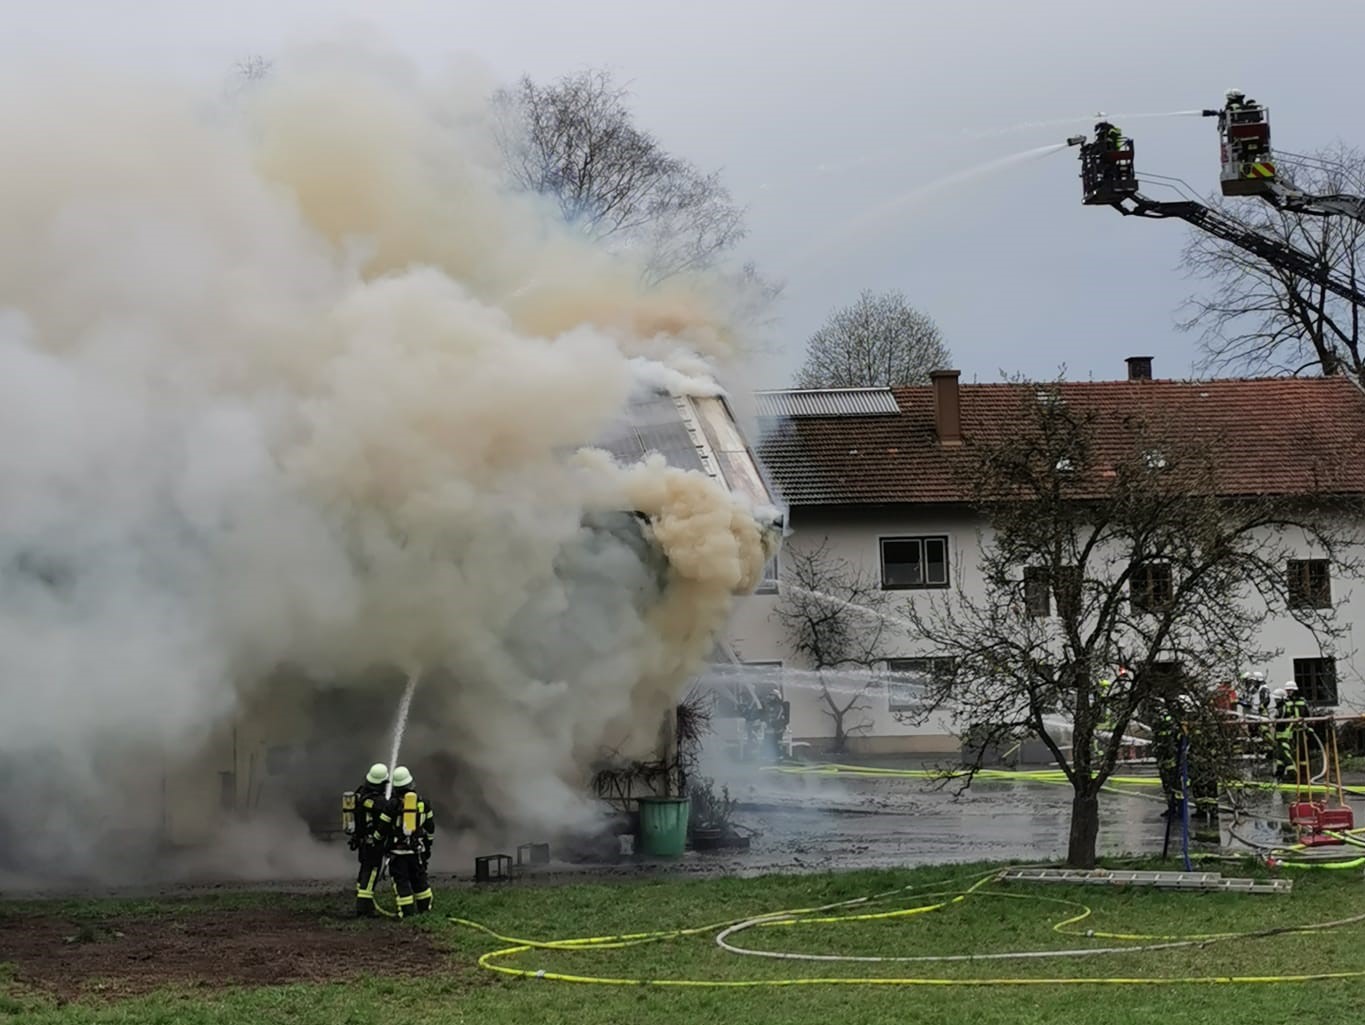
x,y
124,956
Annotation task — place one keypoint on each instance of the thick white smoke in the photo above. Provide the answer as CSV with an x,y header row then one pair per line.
x,y
295,381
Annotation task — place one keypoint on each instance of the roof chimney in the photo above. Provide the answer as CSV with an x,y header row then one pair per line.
x,y
1139,368
947,410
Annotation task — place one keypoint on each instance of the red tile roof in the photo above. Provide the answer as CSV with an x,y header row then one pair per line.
x,y
1281,436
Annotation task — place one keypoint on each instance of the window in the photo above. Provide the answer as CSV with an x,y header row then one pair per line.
x,y
771,575
761,675
1067,587
1041,584
1317,680
907,695
1037,592
1310,584
914,562
1165,678
1151,586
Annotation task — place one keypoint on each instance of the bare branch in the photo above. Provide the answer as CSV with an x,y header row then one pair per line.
x,y
1261,319
1128,554
830,612
576,142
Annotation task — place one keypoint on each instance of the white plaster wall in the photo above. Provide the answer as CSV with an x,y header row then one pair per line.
x,y
757,636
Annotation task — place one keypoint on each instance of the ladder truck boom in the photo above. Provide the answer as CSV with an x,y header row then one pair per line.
x,y
1108,178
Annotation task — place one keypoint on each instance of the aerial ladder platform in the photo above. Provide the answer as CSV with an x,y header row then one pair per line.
x,y
1248,165
1109,178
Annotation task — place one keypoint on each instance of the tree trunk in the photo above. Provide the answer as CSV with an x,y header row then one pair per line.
x,y
1085,829
840,738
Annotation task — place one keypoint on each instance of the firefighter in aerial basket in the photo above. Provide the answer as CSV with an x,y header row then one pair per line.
x,y
409,844
362,819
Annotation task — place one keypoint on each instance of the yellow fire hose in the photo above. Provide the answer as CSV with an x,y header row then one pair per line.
x,y
938,902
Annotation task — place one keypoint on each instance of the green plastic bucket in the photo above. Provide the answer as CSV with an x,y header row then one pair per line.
x,y
663,825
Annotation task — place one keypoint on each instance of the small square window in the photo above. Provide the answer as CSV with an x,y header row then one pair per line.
x,y
1310,583
911,562
1151,587
1317,680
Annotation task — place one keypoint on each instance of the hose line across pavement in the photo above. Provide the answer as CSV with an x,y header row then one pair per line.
x,y
952,894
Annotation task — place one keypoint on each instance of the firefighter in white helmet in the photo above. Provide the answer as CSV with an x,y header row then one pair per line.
x,y
367,835
411,831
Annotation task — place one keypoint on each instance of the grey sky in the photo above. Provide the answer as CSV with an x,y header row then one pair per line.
x,y
823,112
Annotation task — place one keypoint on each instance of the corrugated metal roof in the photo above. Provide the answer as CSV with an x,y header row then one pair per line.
x,y
826,402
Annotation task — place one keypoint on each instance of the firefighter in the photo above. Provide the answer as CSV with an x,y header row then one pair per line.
x,y
368,837
1294,704
1282,732
410,834
1166,751
1202,757
776,716
1108,136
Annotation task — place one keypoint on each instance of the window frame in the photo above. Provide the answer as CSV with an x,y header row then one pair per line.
x,y
1307,677
1299,590
771,584
1141,603
919,539
1037,585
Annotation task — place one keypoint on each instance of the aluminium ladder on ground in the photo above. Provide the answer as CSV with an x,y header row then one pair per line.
x,y
1163,880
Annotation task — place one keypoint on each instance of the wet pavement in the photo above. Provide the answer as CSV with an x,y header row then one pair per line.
x,y
808,822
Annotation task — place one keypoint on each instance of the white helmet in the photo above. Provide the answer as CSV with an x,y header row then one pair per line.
x,y
1233,94
401,777
1277,694
1291,687
377,774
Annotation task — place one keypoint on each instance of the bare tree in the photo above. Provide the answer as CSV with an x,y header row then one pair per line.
x,y
576,141
880,340
1108,542
1262,319
246,74
831,610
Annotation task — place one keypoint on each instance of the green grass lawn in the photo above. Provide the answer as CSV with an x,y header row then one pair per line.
x,y
1021,919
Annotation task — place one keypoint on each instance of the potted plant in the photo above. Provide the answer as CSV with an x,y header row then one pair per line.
x,y
710,826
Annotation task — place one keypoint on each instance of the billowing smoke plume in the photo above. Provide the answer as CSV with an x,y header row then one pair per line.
x,y
292,387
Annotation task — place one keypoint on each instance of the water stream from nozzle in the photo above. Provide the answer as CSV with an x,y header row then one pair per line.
x,y
880,217
1061,122
832,600
401,724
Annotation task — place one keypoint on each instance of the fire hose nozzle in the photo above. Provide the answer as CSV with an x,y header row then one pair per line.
x,y
1075,140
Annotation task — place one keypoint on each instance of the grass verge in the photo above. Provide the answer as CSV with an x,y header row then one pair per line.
x,y
996,918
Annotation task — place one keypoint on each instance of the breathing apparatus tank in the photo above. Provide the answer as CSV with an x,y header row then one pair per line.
x,y
410,813
348,813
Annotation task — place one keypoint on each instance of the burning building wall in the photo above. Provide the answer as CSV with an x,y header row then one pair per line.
x,y
306,399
